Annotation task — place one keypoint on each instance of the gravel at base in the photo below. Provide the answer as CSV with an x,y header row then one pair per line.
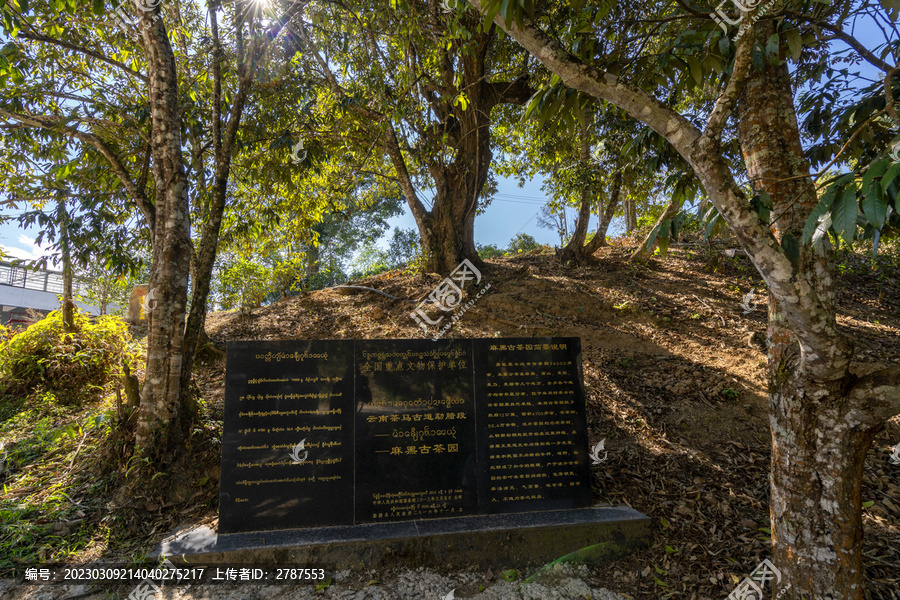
x,y
561,582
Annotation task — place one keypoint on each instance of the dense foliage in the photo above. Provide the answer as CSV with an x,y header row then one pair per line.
x,y
74,367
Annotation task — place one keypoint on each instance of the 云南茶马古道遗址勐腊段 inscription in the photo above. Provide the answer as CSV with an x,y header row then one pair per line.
x,y
341,432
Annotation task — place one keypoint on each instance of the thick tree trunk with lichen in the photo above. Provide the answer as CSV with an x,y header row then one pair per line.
x,y
818,452
158,430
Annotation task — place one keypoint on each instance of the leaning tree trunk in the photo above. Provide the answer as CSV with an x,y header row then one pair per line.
x,y
158,431
575,250
818,450
644,251
605,215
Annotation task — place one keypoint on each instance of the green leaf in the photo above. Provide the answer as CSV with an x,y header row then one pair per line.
x,y
659,582
98,7
510,575
671,550
844,213
821,208
772,47
663,522
868,503
876,169
504,12
324,585
890,175
660,571
794,42
491,8
875,205
791,247
695,67
663,245
762,204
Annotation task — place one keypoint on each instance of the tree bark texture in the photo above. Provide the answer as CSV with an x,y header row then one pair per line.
x,y
158,431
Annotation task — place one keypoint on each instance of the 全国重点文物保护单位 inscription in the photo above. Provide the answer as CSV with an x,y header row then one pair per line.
x,y
400,429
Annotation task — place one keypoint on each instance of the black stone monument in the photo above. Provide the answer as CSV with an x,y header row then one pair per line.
x,y
351,432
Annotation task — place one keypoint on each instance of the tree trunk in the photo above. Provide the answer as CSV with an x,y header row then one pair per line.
x,y
223,146
630,213
312,264
68,304
645,250
818,446
158,431
605,215
447,230
575,250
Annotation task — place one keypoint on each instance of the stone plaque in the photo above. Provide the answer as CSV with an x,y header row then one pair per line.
x,y
136,303
345,432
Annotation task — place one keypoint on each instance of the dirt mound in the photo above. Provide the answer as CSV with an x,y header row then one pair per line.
x,y
675,378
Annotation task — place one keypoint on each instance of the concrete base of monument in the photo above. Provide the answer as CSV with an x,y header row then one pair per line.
x,y
521,540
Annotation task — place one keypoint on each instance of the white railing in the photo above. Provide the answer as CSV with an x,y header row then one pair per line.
x,y
39,280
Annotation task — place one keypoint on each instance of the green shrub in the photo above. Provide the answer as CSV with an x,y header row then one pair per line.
x,y
522,242
74,367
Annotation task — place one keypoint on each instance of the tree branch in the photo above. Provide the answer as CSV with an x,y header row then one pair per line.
x,y
878,394
53,123
847,39
40,37
889,96
727,100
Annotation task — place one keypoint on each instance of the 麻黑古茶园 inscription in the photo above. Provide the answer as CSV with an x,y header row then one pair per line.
x,y
343,432
415,430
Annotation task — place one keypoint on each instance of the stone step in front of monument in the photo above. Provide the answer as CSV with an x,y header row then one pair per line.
x,y
519,540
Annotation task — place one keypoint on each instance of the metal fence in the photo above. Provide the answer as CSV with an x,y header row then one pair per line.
x,y
40,280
